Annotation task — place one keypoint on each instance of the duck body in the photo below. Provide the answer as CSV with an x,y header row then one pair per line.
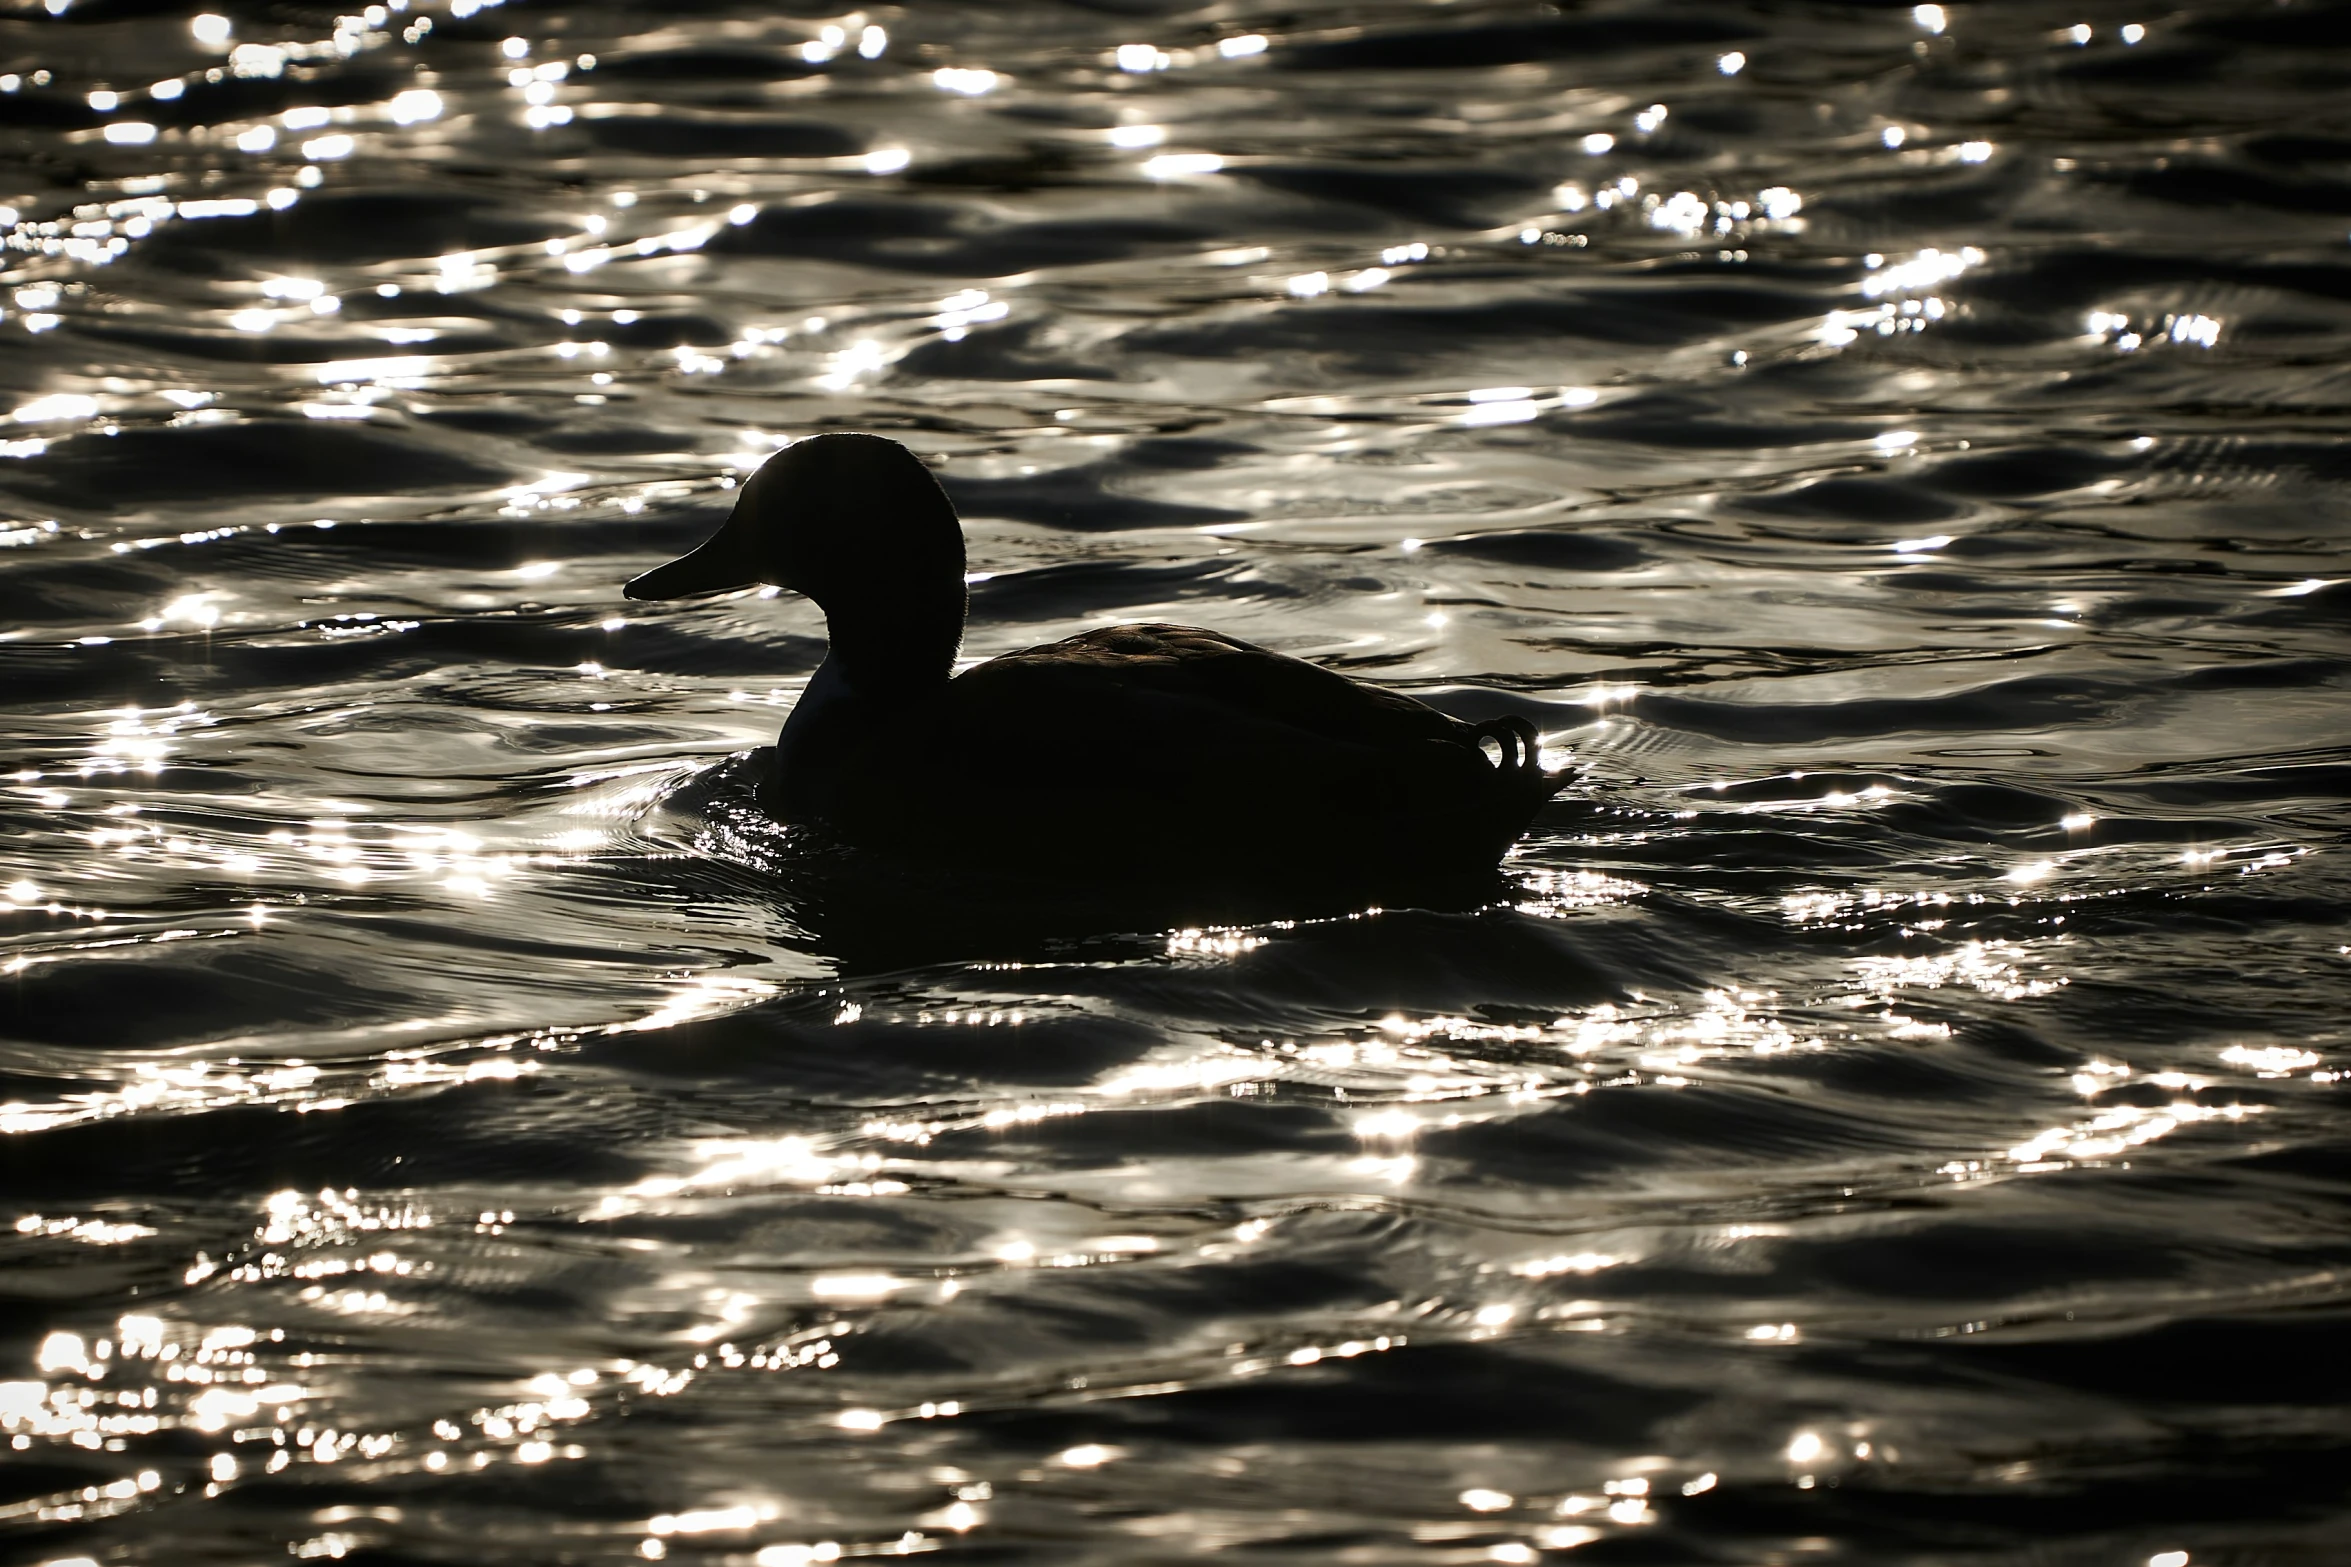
x,y
1220,776
1168,755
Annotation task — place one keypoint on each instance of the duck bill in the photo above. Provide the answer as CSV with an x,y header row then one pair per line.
x,y
719,566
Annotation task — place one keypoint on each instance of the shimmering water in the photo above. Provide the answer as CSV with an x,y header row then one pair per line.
x,y
1899,454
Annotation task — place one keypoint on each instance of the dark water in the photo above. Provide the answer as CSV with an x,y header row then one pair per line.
x,y
1896,1117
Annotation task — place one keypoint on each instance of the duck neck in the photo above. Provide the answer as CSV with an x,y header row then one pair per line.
x,y
878,669
896,650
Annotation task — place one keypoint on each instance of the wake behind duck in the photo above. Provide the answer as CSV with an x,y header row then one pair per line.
x,y
1136,767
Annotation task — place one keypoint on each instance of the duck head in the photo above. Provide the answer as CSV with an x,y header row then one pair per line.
x,y
858,524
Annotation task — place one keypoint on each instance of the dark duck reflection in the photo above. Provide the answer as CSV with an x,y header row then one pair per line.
x,y
1135,775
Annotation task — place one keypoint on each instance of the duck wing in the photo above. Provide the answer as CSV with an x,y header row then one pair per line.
x,y
1223,674
1170,752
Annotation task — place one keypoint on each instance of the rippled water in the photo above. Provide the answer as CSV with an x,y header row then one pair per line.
x,y
1898,454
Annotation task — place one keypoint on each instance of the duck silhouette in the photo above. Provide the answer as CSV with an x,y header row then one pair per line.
x,y
1202,773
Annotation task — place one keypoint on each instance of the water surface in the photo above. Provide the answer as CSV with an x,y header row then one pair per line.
x,y
1897,454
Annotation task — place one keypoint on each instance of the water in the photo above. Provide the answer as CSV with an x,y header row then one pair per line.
x,y
1899,456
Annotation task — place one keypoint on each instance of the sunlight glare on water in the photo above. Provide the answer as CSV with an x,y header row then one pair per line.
x,y
1890,1112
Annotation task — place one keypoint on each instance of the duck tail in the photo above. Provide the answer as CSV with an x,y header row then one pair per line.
x,y
1520,768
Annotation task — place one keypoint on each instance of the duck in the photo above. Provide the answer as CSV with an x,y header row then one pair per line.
x,y
1222,777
